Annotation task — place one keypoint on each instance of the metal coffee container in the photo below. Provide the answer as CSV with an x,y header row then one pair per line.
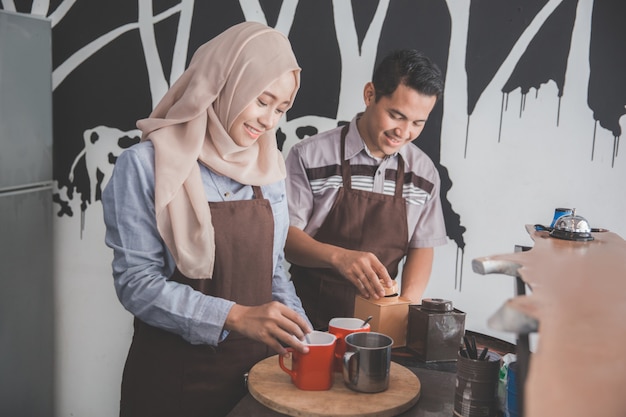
x,y
435,330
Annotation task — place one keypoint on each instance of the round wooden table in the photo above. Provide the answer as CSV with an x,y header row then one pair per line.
x,y
272,387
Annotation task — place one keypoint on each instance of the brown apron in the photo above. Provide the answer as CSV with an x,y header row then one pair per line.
x,y
358,220
167,376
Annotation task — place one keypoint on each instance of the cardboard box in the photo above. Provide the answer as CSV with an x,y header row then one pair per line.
x,y
390,316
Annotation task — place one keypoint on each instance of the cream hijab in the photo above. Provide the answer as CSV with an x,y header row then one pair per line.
x,y
190,124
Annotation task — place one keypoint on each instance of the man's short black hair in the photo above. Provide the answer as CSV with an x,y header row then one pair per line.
x,y
411,68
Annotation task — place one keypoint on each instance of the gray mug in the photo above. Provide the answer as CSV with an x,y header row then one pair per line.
x,y
367,361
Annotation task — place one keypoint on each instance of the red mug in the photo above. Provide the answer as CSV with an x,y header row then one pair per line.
x,y
341,327
312,371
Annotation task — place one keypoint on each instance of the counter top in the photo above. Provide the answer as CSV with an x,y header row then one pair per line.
x,y
436,398
579,301
438,380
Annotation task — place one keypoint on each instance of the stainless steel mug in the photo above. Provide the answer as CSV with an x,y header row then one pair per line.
x,y
367,361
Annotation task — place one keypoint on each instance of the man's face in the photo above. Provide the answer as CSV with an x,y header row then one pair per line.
x,y
393,121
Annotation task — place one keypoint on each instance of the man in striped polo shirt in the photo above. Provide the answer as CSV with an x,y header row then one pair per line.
x,y
363,198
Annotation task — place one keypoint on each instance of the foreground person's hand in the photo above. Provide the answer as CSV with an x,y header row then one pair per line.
x,y
273,323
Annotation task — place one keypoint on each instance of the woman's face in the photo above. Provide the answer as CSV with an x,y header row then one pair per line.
x,y
263,113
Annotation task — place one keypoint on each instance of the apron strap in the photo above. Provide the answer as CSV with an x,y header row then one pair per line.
x,y
400,176
258,194
346,173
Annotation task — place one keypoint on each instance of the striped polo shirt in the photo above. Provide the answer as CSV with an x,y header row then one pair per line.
x,y
314,177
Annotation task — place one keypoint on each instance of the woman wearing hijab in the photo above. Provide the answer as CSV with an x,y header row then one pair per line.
x,y
197,217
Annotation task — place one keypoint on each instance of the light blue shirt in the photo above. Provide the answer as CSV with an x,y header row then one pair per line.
x,y
142,263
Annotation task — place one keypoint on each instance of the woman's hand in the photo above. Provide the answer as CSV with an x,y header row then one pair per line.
x,y
270,323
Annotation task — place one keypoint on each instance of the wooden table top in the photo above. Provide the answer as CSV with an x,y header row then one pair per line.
x,y
436,397
579,299
272,387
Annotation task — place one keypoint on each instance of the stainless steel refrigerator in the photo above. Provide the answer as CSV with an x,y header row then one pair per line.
x,y
26,258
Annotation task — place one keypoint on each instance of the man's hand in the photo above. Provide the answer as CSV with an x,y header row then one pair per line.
x,y
364,271
271,324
